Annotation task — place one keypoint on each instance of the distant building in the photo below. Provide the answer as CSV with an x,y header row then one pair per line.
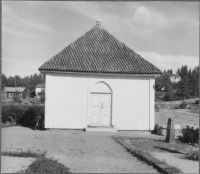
x,y
174,78
39,90
9,93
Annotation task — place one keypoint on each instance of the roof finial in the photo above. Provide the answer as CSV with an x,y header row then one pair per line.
x,y
97,22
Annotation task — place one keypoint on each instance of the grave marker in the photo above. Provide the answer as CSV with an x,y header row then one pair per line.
x,y
170,137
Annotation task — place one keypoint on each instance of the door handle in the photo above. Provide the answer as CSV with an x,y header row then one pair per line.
x,y
102,105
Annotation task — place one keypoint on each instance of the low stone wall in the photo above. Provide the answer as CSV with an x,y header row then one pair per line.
x,y
193,100
162,130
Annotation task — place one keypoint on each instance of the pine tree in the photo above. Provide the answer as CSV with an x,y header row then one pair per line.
x,y
170,71
169,92
163,82
178,71
195,82
183,85
190,82
10,82
3,80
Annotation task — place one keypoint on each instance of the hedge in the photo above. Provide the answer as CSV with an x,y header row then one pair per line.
x,y
26,115
183,105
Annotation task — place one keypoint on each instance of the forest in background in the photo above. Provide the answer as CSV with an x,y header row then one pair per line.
x,y
187,87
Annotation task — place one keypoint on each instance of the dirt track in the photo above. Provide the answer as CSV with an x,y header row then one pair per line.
x,y
82,152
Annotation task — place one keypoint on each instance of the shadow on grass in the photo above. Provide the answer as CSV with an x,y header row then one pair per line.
x,y
168,150
162,139
25,154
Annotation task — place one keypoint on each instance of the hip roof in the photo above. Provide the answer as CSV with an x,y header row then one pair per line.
x,y
97,51
40,85
14,89
174,75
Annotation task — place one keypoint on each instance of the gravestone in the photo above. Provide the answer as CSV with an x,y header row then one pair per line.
x,y
170,137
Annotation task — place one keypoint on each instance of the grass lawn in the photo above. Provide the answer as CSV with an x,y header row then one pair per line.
x,y
194,107
181,118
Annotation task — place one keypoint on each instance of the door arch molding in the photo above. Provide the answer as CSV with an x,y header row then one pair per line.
x,y
101,87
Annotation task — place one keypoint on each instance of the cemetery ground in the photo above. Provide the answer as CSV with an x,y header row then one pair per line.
x,y
182,117
194,107
24,149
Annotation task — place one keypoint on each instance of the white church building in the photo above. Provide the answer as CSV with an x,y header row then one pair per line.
x,y
97,81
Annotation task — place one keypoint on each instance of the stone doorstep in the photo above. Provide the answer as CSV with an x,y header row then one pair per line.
x,y
101,129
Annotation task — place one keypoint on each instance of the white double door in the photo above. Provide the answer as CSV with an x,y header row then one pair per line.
x,y
100,109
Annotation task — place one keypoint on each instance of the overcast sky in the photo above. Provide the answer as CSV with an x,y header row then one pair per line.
x,y
164,33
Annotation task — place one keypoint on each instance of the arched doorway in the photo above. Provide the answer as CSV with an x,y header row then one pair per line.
x,y
100,105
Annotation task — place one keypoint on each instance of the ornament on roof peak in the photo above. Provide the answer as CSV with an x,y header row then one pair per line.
x,y
98,23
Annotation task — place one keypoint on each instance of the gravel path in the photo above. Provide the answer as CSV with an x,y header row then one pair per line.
x,y
82,152
177,160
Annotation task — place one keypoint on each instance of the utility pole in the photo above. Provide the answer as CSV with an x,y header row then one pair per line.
x,y
4,93
15,81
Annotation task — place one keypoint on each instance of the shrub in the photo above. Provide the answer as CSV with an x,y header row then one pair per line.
x,y
177,97
159,95
183,105
46,165
155,129
30,116
190,135
25,115
16,111
194,154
